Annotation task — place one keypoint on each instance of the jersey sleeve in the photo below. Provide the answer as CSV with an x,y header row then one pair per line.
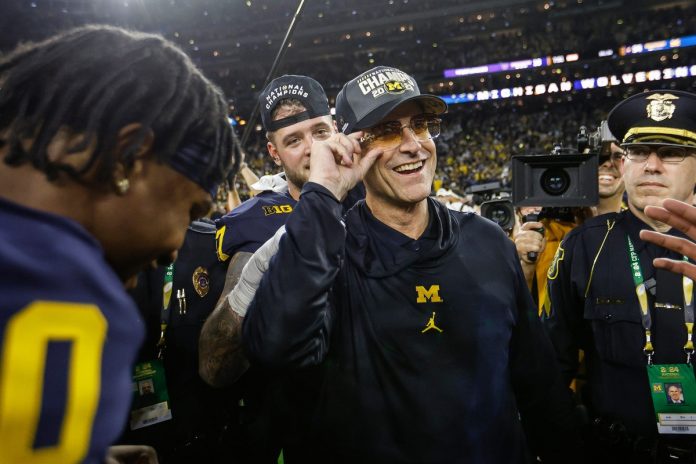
x,y
248,226
227,238
288,323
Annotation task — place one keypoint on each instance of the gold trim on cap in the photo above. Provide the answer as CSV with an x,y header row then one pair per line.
x,y
666,139
683,133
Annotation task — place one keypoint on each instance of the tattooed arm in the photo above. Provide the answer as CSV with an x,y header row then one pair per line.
x,y
221,360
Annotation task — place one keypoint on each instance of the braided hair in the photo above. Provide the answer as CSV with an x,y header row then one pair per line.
x,y
94,80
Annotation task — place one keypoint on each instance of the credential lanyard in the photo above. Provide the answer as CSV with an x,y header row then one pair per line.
x,y
165,313
639,281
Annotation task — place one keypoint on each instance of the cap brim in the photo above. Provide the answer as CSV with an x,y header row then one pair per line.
x,y
656,143
430,104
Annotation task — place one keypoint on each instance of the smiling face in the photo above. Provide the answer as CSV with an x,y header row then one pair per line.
x,y
674,393
651,181
403,175
610,180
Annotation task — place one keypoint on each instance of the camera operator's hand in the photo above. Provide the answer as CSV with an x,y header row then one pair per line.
x,y
529,239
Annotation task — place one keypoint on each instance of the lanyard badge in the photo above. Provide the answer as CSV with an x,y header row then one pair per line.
x,y
673,391
150,403
167,289
150,397
641,294
672,386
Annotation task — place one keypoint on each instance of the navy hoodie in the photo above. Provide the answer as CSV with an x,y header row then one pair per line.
x,y
431,350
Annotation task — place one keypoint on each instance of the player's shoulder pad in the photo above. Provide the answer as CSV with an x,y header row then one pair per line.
x,y
248,207
202,227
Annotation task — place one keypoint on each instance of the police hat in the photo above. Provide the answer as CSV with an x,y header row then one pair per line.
x,y
665,117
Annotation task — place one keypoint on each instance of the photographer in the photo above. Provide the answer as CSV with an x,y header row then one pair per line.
x,y
539,234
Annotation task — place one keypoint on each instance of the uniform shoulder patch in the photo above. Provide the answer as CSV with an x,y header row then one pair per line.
x,y
557,258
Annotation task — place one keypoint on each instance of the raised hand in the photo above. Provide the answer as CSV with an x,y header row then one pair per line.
x,y
681,216
338,163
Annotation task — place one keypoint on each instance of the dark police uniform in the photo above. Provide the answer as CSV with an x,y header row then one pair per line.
x,y
594,307
208,425
429,349
68,335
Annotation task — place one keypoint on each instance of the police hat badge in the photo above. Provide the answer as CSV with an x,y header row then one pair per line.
x,y
663,117
201,281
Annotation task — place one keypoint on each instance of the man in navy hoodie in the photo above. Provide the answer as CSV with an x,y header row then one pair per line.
x,y
418,317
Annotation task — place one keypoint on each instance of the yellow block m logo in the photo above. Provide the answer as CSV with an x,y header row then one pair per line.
x,y
394,86
432,294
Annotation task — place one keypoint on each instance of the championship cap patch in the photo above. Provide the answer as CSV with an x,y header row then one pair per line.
x,y
305,89
665,117
367,99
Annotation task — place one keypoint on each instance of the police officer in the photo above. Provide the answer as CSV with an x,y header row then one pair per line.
x,y
630,319
202,424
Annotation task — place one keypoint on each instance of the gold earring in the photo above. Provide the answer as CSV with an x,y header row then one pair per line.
x,y
122,186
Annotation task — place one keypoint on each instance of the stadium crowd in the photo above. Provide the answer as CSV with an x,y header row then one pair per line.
x,y
362,35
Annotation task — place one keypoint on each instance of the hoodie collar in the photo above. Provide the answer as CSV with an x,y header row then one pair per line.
x,y
380,251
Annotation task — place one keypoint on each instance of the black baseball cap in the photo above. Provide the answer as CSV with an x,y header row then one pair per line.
x,y
367,99
664,117
302,88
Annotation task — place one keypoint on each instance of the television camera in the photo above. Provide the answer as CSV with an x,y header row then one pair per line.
x,y
565,177
495,203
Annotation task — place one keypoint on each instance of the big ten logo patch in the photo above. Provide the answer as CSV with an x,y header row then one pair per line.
x,y
277,209
428,295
